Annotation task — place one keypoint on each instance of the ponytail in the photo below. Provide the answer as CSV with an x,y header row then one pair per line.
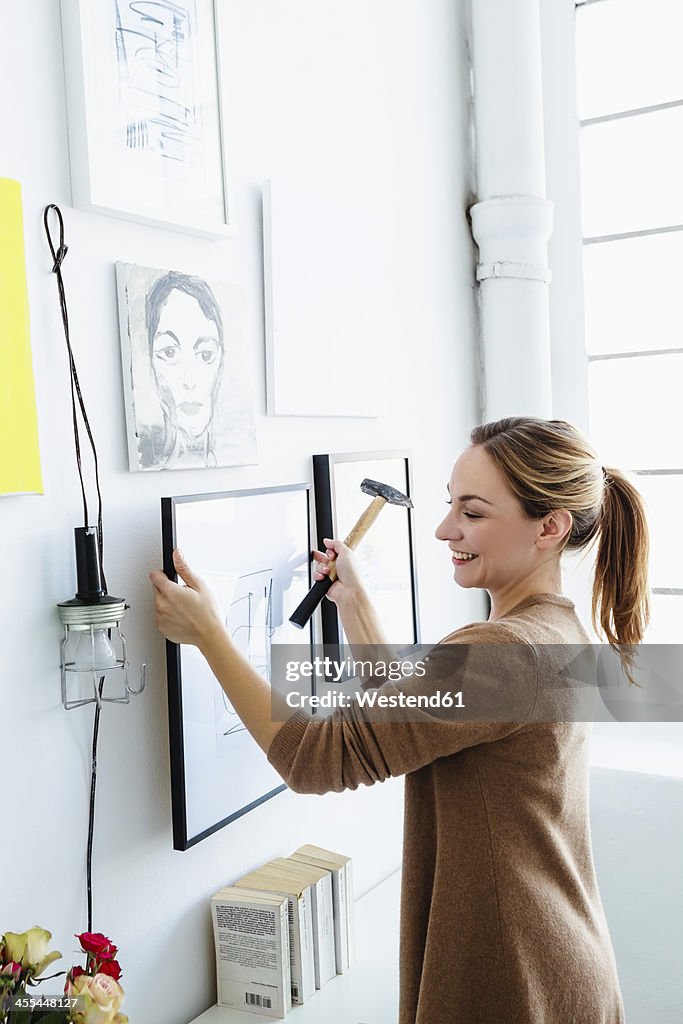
x,y
621,600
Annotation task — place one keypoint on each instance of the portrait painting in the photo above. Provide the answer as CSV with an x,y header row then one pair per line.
x,y
185,371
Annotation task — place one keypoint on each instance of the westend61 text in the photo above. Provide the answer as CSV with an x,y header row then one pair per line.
x,y
374,699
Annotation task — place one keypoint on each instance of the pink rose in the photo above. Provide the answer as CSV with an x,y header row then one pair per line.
x,y
102,997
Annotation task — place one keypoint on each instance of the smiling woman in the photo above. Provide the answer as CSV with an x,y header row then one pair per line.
x,y
501,916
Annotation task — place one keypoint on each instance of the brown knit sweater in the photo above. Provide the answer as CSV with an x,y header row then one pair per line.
x,y
501,919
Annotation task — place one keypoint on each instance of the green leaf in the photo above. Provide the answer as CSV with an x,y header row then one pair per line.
x,y
19,1017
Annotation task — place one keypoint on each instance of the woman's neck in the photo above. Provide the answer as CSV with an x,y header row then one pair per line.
x,y
543,580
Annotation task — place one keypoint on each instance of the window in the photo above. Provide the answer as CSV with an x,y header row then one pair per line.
x,y
630,105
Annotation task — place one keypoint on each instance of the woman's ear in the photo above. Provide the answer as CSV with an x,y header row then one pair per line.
x,y
555,527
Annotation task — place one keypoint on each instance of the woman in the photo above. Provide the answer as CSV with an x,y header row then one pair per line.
x,y
501,919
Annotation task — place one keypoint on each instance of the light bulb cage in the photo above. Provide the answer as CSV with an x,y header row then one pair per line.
x,y
87,618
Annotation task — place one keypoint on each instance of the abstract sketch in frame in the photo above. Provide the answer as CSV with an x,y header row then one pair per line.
x,y
258,576
144,111
386,555
185,370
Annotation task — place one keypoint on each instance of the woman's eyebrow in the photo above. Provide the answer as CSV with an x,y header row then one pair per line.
x,y
470,497
203,340
170,334
474,497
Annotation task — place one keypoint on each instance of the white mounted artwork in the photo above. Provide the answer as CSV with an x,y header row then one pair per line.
x,y
185,374
143,97
324,301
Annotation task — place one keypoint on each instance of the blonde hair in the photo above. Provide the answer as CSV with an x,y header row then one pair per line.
x,y
548,465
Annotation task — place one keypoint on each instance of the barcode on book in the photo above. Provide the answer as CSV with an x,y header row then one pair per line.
x,y
295,991
252,999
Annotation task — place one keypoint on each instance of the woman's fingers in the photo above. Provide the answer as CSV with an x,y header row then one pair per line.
x,y
321,565
321,556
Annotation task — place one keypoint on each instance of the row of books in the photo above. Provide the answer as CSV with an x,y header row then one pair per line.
x,y
283,931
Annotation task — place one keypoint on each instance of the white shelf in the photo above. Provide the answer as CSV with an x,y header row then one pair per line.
x,y
368,992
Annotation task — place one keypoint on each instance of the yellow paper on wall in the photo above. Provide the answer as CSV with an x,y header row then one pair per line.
x,y
19,454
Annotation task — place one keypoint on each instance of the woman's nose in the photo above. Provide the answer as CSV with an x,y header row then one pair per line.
x,y
448,529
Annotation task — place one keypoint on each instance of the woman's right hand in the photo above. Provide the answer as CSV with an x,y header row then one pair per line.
x,y
348,582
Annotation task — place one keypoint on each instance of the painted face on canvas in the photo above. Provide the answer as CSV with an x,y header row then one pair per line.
x,y
492,542
187,357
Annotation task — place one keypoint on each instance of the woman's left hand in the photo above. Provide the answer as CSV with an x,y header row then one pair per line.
x,y
184,614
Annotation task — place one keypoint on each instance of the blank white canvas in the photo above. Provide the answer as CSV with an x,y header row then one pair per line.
x,y
325,299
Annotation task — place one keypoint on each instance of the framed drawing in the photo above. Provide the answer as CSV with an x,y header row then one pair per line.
x,y
144,110
386,556
185,376
258,576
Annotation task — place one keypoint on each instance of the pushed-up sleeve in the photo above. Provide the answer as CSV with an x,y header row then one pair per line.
x,y
492,668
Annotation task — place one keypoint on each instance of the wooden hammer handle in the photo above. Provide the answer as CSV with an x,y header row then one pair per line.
x,y
315,595
361,528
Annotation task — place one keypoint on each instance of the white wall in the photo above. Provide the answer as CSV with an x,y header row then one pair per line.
x,y
359,102
637,829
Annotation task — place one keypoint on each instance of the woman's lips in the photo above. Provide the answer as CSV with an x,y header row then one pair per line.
x,y
464,561
190,408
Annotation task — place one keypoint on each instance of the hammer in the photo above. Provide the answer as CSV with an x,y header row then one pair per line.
x,y
382,494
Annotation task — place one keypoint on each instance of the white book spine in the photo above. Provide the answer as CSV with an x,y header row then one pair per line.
x,y
304,987
350,937
341,920
323,930
295,959
327,966
284,939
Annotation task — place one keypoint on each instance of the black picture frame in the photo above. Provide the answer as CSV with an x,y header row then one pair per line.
x,y
332,474
211,764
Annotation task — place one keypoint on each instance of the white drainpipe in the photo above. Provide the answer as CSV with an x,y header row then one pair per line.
x,y
513,221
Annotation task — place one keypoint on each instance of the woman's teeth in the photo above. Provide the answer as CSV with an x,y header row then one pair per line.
x,y
463,556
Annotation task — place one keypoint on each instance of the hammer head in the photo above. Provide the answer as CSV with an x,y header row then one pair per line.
x,y
377,490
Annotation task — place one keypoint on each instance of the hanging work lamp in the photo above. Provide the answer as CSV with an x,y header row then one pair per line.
x,y
93,645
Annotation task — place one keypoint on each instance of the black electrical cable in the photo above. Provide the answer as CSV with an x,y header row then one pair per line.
x,y
58,258
76,394
91,812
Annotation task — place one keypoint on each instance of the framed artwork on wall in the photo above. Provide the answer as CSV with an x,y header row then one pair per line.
x,y
386,555
186,380
258,576
326,300
144,111
20,471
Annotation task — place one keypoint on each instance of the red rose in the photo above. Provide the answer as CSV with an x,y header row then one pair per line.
x,y
112,968
97,945
75,972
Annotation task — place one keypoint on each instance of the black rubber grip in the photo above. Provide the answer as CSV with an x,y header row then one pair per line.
x,y
310,602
